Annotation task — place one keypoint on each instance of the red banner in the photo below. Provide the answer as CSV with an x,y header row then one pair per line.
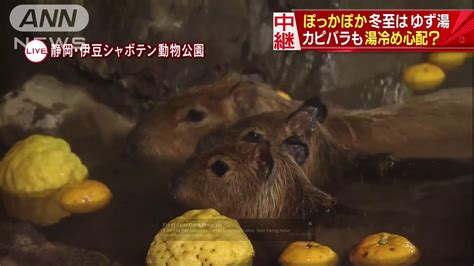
x,y
374,30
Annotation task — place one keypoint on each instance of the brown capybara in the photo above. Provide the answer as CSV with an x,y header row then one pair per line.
x,y
256,178
168,134
270,165
249,181
435,125
421,128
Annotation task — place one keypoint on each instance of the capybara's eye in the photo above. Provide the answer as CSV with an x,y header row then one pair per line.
x,y
195,115
219,168
253,137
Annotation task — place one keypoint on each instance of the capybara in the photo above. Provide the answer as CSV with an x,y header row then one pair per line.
x,y
256,178
271,165
435,125
249,181
422,127
168,133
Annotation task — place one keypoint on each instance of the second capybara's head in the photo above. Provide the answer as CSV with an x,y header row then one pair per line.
x,y
169,132
256,169
299,134
251,180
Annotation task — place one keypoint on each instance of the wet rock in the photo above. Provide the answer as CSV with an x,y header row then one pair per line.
x,y
380,89
165,21
21,244
367,80
237,35
342,70
47,106
297,73
384,89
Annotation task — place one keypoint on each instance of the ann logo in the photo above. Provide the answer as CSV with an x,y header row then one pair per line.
x,y
49,18
31,18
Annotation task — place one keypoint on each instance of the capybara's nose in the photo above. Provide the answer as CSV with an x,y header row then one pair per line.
x,y
219,167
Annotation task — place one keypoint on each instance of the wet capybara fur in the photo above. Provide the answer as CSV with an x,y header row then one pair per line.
x,y
258,178
422,127
249,181
434,125
168,133
273,166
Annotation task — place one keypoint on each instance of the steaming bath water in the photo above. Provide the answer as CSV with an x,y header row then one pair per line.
x,y
435,215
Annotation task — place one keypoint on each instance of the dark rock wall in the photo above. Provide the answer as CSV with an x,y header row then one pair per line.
x,y
237,34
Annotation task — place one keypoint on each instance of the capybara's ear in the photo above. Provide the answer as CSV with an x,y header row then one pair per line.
x,y
305,119
297,149
245,96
